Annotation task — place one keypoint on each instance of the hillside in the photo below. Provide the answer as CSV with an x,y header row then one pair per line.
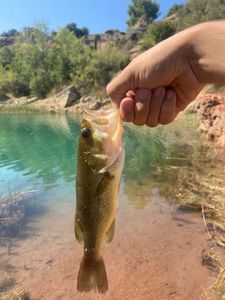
x,y
35,62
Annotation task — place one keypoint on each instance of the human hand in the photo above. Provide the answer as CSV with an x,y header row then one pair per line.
x,y
159,83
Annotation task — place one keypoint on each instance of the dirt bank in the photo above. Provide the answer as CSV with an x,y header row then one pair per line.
x,y
210,108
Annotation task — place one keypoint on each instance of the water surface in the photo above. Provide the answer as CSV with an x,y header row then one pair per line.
x,y
153,240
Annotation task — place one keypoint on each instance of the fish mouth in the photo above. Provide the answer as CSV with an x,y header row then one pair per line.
x,y
101,119
108,129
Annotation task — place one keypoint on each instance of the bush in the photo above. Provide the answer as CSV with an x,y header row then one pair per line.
x,y
6,56
5,83
104,65
197,11
40,84
146,9
158,32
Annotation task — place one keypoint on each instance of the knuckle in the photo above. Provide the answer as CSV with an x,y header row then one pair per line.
x,y
109,89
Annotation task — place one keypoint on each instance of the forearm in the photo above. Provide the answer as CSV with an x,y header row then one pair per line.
x,y
208,52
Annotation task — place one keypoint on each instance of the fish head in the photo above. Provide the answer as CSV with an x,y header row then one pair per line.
x,y
101,138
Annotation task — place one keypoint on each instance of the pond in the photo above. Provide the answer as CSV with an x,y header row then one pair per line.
x,y
156,250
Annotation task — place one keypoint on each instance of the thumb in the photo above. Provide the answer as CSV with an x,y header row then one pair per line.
x,y
120,85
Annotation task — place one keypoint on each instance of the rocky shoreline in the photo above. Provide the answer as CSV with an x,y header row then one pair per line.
x,y
67,101
210,108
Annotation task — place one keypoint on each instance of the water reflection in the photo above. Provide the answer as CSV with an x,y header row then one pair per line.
x,y
39,147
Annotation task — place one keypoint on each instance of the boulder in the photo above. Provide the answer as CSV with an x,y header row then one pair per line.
x,y
69,95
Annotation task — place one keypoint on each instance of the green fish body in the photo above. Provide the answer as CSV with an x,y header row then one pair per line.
x,y
99,168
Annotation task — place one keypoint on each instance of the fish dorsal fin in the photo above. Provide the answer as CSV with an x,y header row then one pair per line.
x,y
110,233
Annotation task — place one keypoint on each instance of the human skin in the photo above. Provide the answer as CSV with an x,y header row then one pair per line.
x,y
162,81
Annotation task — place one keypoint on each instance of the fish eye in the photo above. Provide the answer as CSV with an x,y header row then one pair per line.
x,y
86,133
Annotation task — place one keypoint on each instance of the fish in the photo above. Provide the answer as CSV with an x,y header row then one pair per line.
x,y
99,167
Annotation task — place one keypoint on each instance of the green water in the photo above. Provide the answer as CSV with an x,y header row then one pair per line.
x,y
152,239
38,152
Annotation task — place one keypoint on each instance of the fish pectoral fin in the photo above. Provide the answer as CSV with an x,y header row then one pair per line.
x,y
110,233
78,232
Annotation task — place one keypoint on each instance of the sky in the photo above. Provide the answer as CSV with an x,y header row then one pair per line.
x,y
97,15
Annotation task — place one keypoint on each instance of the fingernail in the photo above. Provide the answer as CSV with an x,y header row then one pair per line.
x,y
157,92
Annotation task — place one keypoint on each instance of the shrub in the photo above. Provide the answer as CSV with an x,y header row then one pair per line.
x,y
158,32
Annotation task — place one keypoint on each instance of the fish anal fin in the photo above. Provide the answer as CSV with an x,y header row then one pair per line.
x,y
110,233
78,232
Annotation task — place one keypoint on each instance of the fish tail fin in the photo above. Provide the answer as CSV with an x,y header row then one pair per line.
x,y
92,275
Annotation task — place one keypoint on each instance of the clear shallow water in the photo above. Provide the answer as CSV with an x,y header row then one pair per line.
x,y
38,152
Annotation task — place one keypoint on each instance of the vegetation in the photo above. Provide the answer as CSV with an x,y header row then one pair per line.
x,y
40,62
197,11
79,32
148,10
183,16
6,283
17,294
157,32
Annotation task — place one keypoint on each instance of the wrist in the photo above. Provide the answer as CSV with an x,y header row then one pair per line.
x,y
206,52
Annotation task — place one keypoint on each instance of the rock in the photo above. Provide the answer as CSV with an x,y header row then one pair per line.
x,y
86,99
211,110
70,95
96,105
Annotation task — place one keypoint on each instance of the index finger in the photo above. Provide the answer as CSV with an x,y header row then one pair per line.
x,y
120,85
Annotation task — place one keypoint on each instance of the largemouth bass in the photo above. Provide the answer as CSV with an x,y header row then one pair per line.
x,y
100,164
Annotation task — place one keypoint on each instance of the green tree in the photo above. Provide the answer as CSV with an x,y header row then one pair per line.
x,y
197,11
176,8
5,84
10,33
104,65
30,66
146,9
79,32
158,32
6,56
69,57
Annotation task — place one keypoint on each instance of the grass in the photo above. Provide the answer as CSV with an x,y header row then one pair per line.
x,y
6,283
17,294
201,189
22,109
216,264
13,210
204,193
214,88
217,291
